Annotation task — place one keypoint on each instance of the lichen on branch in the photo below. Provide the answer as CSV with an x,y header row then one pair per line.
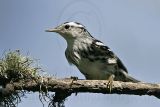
x,y
15,67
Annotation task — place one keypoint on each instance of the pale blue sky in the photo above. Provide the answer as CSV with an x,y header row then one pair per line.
x,y
131,28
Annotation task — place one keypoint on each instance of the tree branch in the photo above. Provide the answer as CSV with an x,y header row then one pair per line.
x,y
91,86
18,75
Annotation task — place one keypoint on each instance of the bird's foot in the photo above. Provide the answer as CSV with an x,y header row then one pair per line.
x,y
73,79
110,83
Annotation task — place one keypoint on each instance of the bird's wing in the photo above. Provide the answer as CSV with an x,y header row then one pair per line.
x,y
99,48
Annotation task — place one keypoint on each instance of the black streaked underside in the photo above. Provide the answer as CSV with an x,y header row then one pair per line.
x,y
100,53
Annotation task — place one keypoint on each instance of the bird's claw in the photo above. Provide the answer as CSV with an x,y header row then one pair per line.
x,y
73,79
110,83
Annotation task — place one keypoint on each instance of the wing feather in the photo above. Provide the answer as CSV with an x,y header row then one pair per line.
x,y
105,50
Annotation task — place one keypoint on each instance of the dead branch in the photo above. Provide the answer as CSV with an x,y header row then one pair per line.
x,y
90,86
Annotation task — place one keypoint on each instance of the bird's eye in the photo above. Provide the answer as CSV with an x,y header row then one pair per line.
x,y
66,26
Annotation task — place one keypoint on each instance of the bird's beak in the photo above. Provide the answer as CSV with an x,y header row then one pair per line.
x,y
52,30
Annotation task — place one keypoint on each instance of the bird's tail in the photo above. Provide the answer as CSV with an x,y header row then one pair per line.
x,y
128,78
131,79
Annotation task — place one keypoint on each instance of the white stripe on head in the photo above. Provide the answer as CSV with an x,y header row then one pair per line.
x,y
75,24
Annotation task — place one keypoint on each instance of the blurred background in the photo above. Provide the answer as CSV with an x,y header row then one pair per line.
x,y
131,28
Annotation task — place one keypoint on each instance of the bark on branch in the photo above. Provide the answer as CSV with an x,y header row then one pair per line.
x,y
90,86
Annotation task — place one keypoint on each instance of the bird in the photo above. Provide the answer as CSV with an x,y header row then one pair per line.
x,y
93,58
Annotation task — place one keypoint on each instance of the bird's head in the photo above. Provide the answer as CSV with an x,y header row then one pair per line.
x,y
70,30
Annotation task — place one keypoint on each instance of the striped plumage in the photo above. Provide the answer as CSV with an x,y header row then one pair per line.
x,y
91,56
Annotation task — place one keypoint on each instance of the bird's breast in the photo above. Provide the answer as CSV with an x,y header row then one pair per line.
x,y
91,62
95,69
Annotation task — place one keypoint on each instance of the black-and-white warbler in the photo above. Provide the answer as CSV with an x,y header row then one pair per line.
x,y
94,60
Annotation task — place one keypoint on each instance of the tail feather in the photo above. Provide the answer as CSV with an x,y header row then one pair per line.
x,y
131,79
